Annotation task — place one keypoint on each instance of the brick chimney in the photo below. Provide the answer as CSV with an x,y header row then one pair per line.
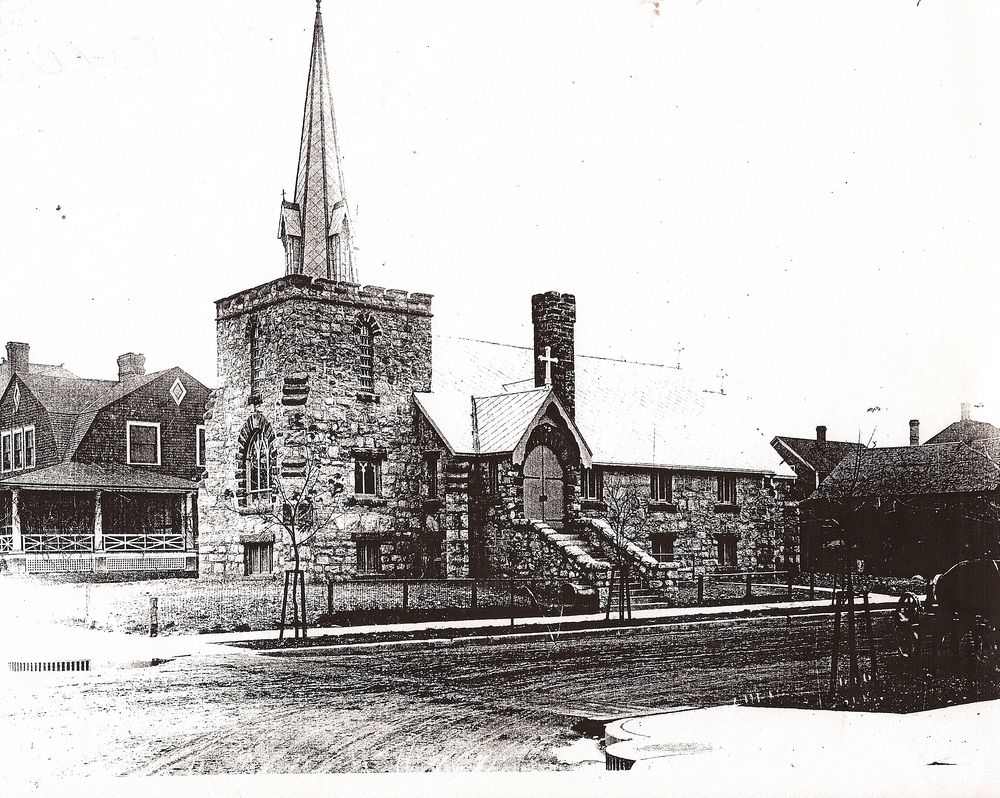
x,y
966,409
914,432
554,318
17,357
820,434
131,365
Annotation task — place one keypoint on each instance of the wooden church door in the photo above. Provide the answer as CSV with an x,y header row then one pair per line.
x,y
544,499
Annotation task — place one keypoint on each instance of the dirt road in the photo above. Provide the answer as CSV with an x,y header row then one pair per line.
x,y
500,707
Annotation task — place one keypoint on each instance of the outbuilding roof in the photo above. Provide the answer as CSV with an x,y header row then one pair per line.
x,y
936,468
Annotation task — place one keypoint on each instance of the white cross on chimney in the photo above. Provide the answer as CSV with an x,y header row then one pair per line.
x,y
548,360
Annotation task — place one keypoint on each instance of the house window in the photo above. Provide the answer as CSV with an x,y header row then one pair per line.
x,y
258,469
369,557
727,490
256,359
661,486
142,443
18,449
29,447
199,454
366,356
367,476
662,546
493,476
258,558
726,550
7,455
431,474
592,484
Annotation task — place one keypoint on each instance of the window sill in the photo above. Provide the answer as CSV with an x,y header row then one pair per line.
x,y
366,501
733,509
593,504
368,397
661,507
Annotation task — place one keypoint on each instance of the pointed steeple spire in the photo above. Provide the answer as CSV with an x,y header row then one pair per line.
x,y
316,227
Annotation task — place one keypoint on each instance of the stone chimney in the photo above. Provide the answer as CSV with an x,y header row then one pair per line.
x,y
966,409
17,357
821,434
914,432
554,318
131,365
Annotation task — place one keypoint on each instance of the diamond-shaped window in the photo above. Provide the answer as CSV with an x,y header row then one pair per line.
x,y
17,396
178,391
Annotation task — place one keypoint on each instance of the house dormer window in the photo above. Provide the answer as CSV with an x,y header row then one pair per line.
x,y
18,449
29,447
8,460
366,356
142,443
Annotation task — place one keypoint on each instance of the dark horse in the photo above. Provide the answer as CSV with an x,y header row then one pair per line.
x,y
966,598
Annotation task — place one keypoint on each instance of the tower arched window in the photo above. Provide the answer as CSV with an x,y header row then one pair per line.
x,y
257,469
256,359
366,356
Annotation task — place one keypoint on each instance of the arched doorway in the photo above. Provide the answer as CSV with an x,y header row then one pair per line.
x,y
544,498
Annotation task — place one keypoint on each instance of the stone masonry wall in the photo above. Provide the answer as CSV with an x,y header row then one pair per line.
x,y
311,397
696,518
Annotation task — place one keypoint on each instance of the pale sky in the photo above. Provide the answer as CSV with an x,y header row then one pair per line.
x,y
805,194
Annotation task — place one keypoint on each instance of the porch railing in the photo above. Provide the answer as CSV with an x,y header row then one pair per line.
x,y
136,542
57,542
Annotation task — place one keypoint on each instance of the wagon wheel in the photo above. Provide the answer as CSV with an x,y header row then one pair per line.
x,y
907,619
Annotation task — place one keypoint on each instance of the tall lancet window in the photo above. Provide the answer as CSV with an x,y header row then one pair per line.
x,y
258,469
256,358
366,355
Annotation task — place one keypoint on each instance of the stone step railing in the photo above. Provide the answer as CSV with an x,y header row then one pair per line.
x,y
651,571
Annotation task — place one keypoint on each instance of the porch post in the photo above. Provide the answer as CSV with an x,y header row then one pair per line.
x,y
98,523
17,544
187,520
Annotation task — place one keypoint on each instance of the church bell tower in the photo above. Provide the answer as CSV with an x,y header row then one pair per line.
x,y
315,227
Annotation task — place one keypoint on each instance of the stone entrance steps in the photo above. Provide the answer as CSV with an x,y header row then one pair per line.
x,y
642,598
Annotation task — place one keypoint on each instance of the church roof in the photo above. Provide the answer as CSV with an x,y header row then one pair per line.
x,y
628,413
320,207
492,424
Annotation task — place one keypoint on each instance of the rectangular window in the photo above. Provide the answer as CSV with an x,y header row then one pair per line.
x,y
727,490
367,476
592,484
726,550
366,357
18,449
29,447
493,476
7,455
431,474
143,443
662,546
258,558
199,454
369,557
661,486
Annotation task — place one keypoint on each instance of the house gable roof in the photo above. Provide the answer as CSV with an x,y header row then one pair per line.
x,y
820,456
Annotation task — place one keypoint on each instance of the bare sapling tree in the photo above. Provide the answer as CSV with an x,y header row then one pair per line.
x,y
625,514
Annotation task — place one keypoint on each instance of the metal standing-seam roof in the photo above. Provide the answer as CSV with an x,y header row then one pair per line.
x,y
628,413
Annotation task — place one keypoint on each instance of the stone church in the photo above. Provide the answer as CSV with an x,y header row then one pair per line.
x,y
513,460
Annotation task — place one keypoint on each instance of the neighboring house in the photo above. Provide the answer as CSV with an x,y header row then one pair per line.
x,y
966,429
99,474
812,459
508,463
914,509
18,351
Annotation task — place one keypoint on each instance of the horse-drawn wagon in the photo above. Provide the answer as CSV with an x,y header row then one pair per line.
x,y
964,600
